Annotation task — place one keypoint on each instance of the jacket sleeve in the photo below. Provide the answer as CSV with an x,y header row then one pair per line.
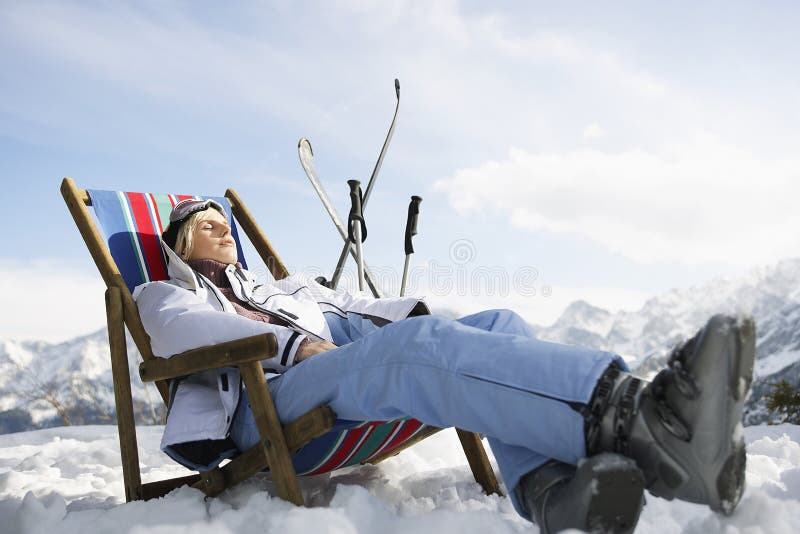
x,y
177,320
390,308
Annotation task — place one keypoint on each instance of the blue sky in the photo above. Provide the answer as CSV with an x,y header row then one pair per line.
x,y
604,151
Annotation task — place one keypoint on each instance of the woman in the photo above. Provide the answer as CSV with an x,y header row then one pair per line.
x,y
545,408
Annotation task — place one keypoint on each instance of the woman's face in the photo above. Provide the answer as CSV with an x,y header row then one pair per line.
x,y
213,241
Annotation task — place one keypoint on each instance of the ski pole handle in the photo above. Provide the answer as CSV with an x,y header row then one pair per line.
x,y
411,231
356,214
411,223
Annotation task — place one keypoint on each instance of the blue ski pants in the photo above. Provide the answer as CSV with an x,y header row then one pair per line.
x,y
486,373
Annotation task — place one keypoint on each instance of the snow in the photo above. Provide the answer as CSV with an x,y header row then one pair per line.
x,y
69,480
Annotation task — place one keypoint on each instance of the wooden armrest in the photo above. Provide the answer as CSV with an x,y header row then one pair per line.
x,y
231,353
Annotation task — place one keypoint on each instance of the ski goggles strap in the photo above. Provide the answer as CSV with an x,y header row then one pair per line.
x,y
185,208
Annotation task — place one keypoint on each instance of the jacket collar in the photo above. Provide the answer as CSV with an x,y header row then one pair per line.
x,y
179,271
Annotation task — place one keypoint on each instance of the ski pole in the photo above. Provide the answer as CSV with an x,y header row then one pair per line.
x,y
343,256
356,228
306,155
411,231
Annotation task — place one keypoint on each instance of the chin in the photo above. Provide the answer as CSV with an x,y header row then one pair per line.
x,y
225,258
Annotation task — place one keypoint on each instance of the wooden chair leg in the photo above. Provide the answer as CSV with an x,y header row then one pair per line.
x,y
272,437
479,462
123,400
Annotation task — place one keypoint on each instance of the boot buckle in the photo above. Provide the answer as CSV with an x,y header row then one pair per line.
x,y
623,416
684,381
672,422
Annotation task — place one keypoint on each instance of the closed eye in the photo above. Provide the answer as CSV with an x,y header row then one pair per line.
x,y
215,227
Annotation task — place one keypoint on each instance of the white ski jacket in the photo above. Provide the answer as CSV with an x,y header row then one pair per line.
x,y
188,311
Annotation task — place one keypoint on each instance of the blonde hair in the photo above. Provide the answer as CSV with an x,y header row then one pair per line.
x,y
184,242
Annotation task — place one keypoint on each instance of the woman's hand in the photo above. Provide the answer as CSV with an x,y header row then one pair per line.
x,y
306,350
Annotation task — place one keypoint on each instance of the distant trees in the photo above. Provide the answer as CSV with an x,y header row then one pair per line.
x,y
784,401
33,388
76,400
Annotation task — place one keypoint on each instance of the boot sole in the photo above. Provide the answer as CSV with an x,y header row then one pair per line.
x,y
617,499
731,478
710,468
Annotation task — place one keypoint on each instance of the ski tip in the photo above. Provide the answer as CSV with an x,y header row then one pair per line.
x,y
304,141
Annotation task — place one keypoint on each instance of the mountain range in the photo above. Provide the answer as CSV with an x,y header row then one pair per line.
x,y
48,384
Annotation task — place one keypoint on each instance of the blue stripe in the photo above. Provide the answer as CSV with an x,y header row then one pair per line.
x,y
108,210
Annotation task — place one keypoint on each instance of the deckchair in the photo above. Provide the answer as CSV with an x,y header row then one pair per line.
x,y
315,443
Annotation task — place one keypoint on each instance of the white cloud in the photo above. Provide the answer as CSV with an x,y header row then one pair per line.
x,y
569,52
44,300
593,131
703,201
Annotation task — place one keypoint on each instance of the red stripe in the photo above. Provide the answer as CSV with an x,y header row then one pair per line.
x,y
146,234
353,436
174,199
361,443
411,426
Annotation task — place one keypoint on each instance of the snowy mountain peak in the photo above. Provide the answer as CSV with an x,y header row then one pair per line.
x,y
581,314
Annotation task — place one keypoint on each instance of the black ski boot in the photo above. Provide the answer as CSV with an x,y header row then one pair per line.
x,y
605,493
684,429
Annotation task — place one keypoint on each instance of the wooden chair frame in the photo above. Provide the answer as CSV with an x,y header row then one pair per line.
x,y
273,451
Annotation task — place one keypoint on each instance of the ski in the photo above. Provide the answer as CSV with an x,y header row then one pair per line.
x,y
307,162
337,272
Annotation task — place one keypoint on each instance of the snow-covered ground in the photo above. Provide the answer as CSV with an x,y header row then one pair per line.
x,y
69,480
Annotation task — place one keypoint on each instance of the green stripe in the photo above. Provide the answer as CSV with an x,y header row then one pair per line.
x,y
372,443
164,207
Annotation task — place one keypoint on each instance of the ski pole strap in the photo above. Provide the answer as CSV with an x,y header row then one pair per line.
x,y
356,215
411,223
